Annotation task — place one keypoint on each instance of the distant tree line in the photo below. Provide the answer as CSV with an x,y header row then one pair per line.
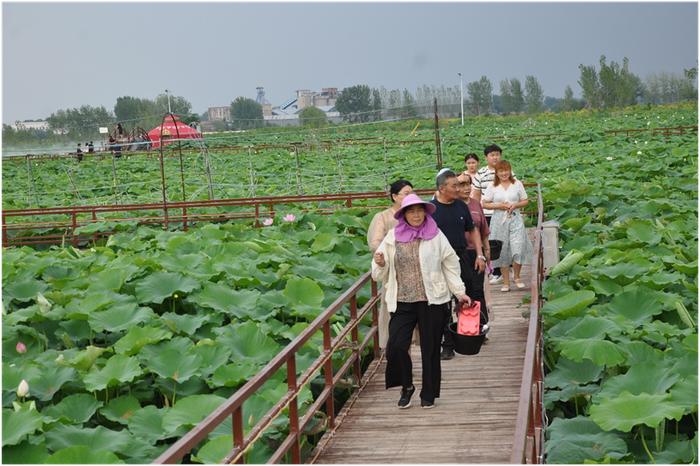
x,y
609,85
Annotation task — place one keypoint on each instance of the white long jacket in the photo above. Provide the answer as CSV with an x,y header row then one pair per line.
x,y
439,267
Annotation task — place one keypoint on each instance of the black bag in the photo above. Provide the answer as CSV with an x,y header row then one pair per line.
x,y
495,245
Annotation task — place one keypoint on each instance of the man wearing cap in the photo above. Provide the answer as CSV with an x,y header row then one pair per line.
x,y
453,218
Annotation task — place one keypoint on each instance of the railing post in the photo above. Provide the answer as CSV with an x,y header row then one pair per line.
x,y
237,426
5,241
355,338
74,224
375,318
184,218
94,219
328,374
293,408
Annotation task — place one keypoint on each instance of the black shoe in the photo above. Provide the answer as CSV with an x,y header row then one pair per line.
x,y
406,394
447,354
427,404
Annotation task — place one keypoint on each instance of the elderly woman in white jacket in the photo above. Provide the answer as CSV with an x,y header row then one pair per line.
x,y
420,272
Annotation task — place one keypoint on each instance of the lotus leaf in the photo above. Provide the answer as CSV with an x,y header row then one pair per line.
x,y
605,286
569,373
643,231
138,337
248,344
184,323
171,364
593,327
24,289
576,440
113,278
627,410
99,438
637,305
120,317
147,423
49,381
568,393
13,374
622,271
181,345
25,453
82,308
139,450
190,411
160,285
638,352
214,451
121,409
16,425
76,409
569,305
86,358
325,242
179,262
81,454
678,452
650,377
239,303
211,356
601,352
77,330
233,375
685,393
119,369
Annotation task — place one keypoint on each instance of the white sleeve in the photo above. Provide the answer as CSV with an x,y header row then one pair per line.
x,y
488,195
521,190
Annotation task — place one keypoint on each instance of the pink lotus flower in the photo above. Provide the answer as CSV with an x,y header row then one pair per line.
x,y
289,218
22,389
21,347
268,221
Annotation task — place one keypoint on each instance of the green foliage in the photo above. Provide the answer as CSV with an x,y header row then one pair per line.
x,y
246,113
312,117
354,103
81,123
480,96
534,97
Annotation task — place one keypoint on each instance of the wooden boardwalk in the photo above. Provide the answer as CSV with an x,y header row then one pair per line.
x,y
473,420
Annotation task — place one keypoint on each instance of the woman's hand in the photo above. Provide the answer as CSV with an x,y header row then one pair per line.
x,y
511,208
379,259
464,299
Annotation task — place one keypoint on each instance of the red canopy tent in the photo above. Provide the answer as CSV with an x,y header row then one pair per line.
x,y
172,129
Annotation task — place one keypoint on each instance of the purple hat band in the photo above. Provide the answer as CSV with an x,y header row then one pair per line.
x,y
413,199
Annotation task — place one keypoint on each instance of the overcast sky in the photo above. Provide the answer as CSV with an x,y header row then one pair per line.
x,y
63,55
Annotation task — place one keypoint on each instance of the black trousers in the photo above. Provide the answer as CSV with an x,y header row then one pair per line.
x,y
399,368
496,270
474,284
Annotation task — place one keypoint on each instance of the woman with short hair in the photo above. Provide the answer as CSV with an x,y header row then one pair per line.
x,y
420,272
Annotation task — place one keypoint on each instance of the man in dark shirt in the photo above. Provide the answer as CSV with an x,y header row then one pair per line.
x,y
453,218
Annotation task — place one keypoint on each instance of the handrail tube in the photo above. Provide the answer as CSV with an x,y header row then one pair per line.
x,y
235,402
526,447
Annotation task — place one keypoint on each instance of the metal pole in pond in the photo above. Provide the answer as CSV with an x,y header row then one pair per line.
x,y
208,170
438,150
250,171
296,159
114,181
31,180
162,175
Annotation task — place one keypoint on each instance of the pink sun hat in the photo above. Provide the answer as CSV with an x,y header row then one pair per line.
x,y
413,199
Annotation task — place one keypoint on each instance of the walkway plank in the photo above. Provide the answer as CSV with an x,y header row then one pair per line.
x,y
473,420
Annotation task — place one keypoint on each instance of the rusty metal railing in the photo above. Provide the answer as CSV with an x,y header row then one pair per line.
x,y
175,213
528,441
233,406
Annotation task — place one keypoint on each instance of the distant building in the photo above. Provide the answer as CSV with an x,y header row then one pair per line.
x,y
219,113
41,125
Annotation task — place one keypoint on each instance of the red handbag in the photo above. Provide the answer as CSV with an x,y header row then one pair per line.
x,y
469,319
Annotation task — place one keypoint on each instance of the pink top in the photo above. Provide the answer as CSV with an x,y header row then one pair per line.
x,y
477,213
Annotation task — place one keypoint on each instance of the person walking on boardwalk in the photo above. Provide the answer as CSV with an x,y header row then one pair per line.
x,y
475,287
506,196
484,178
420,272
454,219
380,225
